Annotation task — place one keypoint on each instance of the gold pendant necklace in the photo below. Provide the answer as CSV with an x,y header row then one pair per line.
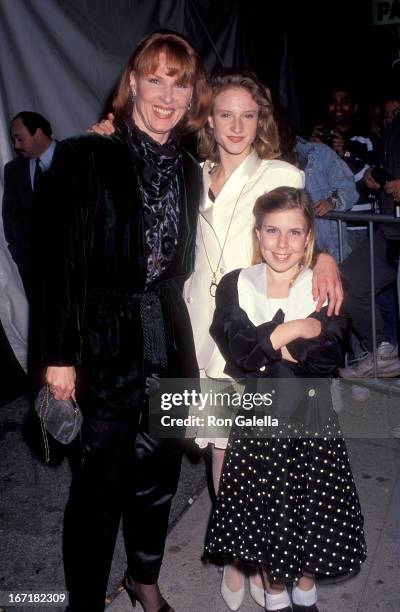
x,y
213,286
214,282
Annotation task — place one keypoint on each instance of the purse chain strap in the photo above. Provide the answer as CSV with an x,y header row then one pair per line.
x,y
43,411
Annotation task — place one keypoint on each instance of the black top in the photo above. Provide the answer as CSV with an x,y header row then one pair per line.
x,y
247,348
100,314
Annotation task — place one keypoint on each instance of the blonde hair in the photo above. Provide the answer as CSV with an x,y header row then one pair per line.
x,y
266,142
182,61
285,198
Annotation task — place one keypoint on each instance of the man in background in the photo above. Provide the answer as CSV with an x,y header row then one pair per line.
x,y
31,134
345,133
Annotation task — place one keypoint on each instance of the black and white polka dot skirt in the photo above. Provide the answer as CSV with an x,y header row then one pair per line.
x,y
289,505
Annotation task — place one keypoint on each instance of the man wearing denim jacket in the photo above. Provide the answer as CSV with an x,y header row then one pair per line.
x,y
331,186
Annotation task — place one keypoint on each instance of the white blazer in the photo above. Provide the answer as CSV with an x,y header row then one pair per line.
x,y
255,177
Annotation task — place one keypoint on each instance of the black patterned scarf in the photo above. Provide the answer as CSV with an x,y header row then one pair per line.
x,y
158,179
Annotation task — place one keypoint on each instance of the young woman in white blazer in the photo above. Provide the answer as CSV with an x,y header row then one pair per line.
x,y
241,145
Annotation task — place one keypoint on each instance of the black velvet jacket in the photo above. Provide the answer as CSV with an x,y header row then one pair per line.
x,y
250,357
97,315
247,347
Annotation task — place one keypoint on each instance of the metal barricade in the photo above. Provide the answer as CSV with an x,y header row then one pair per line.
x,y
370,220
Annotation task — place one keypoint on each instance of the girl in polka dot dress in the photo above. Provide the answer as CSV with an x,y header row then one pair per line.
x,y
286,505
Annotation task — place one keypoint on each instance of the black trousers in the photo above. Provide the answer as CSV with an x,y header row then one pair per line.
x,y
357,285
124,474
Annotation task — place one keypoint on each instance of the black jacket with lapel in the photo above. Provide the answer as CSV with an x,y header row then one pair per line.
x,y
95,269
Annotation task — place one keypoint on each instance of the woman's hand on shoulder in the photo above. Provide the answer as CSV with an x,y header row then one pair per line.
x,y
61,380
105,127
326,284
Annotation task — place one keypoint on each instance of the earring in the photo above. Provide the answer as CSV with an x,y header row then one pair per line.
x,y
189,105
133,97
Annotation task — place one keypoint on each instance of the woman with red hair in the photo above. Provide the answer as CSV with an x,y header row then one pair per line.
x,y
121,214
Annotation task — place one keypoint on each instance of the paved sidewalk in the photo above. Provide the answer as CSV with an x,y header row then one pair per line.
x,y
190,585
33,496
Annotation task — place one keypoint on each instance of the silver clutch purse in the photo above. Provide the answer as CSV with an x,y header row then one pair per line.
x,y
62,419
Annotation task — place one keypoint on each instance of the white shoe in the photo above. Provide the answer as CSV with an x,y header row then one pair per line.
x,y
257,593
304,600
233,599
279,602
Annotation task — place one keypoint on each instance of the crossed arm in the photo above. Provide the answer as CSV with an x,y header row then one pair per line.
x,y
315,344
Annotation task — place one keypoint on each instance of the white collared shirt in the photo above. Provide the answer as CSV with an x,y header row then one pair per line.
x,y
252,289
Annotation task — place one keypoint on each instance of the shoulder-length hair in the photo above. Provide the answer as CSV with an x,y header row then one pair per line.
x,y
285,198
266,142
182,61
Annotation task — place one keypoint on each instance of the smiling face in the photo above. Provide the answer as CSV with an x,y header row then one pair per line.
x,y
161,101
341,108
283,237
234,120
